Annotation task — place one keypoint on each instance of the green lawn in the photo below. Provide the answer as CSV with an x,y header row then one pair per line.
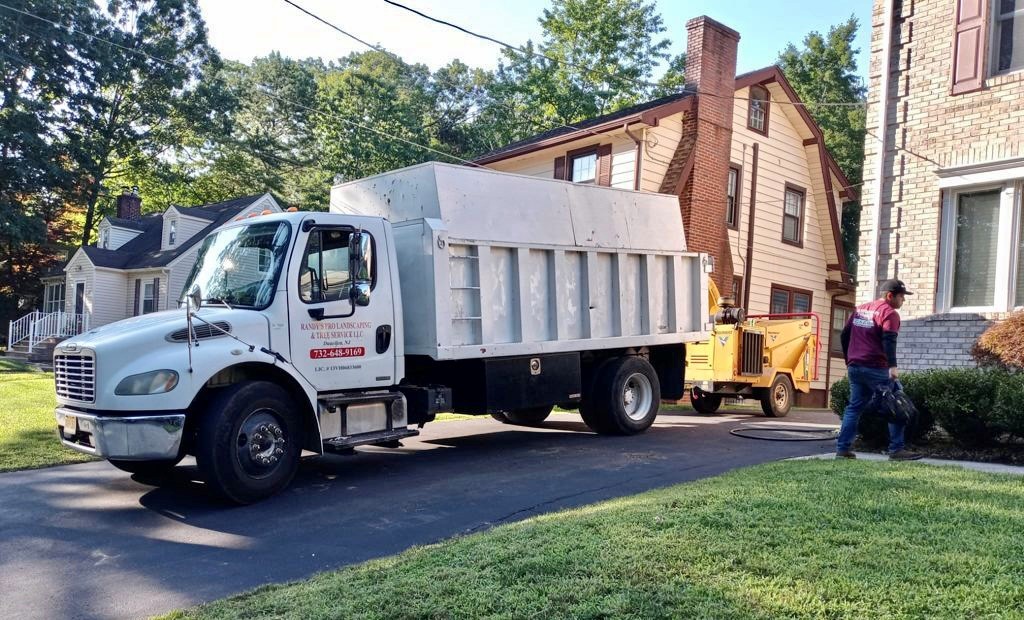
x,y
795,539
28,432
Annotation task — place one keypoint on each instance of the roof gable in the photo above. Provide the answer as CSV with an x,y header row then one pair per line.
x,y
143,252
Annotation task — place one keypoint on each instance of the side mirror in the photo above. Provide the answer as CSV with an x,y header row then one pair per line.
x,y
195,297
360,253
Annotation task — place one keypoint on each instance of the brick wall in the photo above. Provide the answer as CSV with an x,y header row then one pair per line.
x,y
711,68
927,129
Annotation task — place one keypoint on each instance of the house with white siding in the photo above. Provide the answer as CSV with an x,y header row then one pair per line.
x,y
757,188
138,265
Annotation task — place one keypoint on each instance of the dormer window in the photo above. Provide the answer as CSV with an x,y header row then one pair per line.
x,y
104,238
172,233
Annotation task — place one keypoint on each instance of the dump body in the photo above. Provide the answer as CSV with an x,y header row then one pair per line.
x,y
492,264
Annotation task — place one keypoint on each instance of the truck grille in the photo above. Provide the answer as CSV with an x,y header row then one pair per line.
x,y
751,351
75,377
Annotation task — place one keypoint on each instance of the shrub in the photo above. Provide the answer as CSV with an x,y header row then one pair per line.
x,y
1009,405
963,402
1002,344
872,430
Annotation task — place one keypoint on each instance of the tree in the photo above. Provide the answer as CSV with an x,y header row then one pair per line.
x,y
825,71
41,75
596,56
152,94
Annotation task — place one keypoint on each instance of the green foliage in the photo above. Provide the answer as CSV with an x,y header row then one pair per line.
x,y
595,57
824,70
975,406
794,539
1002,344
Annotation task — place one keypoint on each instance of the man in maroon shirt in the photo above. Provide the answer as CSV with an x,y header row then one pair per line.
x,y
869,346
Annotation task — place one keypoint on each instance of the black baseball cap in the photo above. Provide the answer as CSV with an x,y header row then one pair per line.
x,y
895,287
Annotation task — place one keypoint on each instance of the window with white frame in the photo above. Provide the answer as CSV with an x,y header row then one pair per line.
x,y
584,168
172,232
104,238
148,297
982,268
1008,36
732,191
53,298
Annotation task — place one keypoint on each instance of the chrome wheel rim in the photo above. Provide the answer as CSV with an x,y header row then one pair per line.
x,y
260,443
637,396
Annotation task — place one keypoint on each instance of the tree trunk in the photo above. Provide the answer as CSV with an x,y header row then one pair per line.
x,y
90,211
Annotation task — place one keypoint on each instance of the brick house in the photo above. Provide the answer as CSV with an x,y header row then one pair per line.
x,y
756,186
944,169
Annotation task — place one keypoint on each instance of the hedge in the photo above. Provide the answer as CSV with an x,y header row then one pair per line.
x,y
1002,345
975,406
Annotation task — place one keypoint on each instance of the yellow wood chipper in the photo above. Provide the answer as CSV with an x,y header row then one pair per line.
x,y
764,357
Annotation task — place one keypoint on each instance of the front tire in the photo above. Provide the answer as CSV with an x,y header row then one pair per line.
x,y
249,442
777,402
624,398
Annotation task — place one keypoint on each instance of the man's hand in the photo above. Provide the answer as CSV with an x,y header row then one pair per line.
x,y
894,373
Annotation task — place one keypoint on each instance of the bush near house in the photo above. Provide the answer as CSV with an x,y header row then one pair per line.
x,y
1002,345
976,407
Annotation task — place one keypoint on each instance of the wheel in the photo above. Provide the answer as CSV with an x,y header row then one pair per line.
x,y
703,402
624,398
148,469
524,417
249,441
777,402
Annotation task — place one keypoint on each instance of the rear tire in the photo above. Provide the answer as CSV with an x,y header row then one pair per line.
x,y
702,402
532,416
249,441
624,398
778,400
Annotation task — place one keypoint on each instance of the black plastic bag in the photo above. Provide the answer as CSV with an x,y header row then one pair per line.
x,y
892,405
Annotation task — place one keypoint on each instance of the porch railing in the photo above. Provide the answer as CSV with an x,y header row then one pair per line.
x,y
36,327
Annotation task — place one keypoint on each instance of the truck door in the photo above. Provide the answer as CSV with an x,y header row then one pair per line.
x,y
337,343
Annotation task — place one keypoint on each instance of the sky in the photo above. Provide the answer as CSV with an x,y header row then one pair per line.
x,y
245,29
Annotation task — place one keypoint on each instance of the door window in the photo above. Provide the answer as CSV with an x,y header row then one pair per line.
x,y
324,275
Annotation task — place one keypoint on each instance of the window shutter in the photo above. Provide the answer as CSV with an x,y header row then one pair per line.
x,y
969,46
156,294
604,165
138,296
560,168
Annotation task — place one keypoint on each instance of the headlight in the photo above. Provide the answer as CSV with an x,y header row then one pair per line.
x,y
155,382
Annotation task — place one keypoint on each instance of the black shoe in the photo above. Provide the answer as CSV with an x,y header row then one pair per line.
x,y
905,455
845,454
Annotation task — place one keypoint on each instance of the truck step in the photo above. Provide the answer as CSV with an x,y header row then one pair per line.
x,y
390,439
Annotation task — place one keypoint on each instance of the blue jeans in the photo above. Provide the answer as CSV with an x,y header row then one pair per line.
x,y
863,381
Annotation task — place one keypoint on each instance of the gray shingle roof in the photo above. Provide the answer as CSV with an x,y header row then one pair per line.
x,y
143,252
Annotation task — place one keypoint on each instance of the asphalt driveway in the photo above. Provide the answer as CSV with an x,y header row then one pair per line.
x,y
88,541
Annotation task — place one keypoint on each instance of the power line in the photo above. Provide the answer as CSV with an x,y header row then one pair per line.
x,y
586,69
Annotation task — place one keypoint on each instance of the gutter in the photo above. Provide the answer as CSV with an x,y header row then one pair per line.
x,y
883,126
639,155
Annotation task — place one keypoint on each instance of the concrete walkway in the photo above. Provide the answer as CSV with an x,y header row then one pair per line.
x,y
989,468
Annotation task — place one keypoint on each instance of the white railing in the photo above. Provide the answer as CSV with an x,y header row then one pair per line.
x,y
22,328
37,327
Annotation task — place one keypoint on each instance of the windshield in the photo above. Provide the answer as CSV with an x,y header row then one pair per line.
x,y
239,266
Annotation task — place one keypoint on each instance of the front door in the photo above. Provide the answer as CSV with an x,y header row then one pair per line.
x,y
79,318
336,344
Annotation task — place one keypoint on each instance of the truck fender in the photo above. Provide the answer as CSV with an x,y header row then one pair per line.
x,y
259,371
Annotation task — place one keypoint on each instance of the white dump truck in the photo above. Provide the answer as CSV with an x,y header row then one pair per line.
x,y
432,288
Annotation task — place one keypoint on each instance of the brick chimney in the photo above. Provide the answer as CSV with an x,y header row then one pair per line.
x,y
129,204
707,135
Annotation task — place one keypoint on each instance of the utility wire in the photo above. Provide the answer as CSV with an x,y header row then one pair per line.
x,y
586,69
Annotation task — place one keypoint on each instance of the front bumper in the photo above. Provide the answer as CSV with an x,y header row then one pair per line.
x,y
136,438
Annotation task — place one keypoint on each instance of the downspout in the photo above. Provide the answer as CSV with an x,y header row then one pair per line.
x,y
748,267
883,127
636,164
